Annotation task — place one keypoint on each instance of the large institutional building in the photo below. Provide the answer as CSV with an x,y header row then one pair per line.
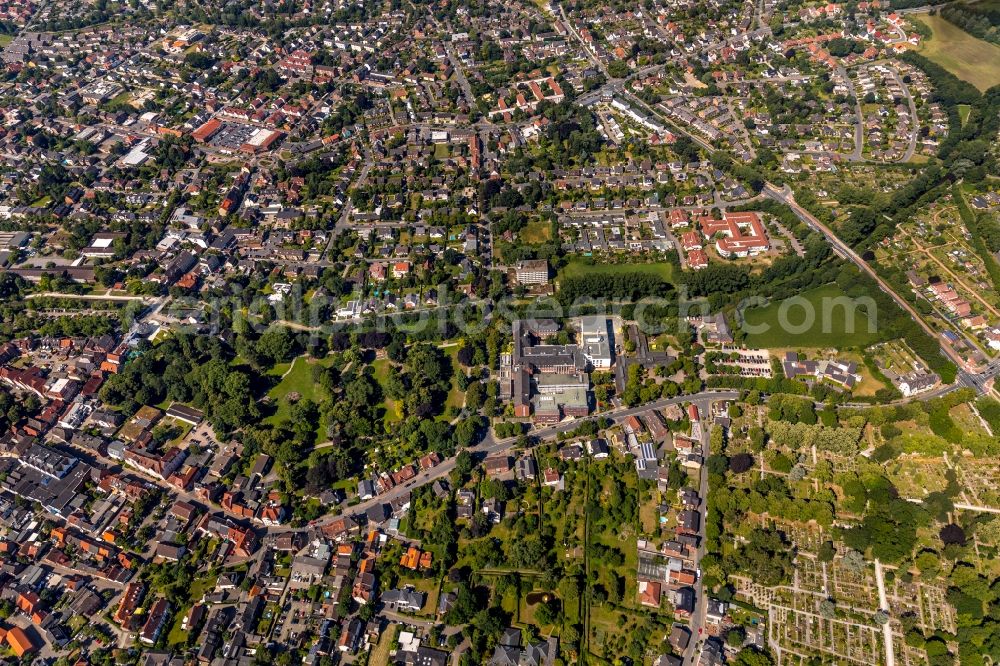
x,y
549,382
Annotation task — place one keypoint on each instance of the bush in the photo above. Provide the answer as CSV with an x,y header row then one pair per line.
x,y
781,463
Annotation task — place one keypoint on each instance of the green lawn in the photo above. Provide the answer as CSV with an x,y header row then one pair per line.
x,y
5,40
582,266
429,586
176,635
963,113
183,429
456,397
965,56
830,325
298,380
393,409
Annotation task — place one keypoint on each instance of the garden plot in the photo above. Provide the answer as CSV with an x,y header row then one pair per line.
x,y
926,601
859,587
807,633
811,575
978,476
806,536
915,476
906,655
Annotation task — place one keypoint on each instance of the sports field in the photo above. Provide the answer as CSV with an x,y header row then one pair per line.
x,y
963,55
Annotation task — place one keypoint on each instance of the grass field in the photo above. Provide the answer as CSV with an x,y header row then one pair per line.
x,y
580,266
537,232
456,396
963,55
120,98
5,40
298,379
649,515
830,326
380,655
393,409
176,635
963,113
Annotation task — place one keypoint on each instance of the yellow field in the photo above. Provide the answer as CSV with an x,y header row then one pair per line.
x,y
963,55
536,232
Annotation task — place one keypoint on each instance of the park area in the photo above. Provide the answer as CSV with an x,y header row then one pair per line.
x,y
968,58
296,383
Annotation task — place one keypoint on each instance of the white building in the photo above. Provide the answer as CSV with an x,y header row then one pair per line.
x,y
595,341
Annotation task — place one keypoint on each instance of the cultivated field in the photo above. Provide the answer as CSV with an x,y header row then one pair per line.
x,y
963,55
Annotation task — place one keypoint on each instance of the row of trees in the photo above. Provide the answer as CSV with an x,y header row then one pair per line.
x,y
979,19
627,285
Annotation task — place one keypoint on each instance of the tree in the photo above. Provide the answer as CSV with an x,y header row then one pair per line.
x,y
740,463
753,656
469,431
889,527
546,613
686,149
767,556
571,636
464,608
276,345
466,355
475,395
618,69
952,534
779,462
463,464
853,561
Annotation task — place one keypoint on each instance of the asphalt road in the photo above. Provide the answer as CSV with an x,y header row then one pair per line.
x,y
692,653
